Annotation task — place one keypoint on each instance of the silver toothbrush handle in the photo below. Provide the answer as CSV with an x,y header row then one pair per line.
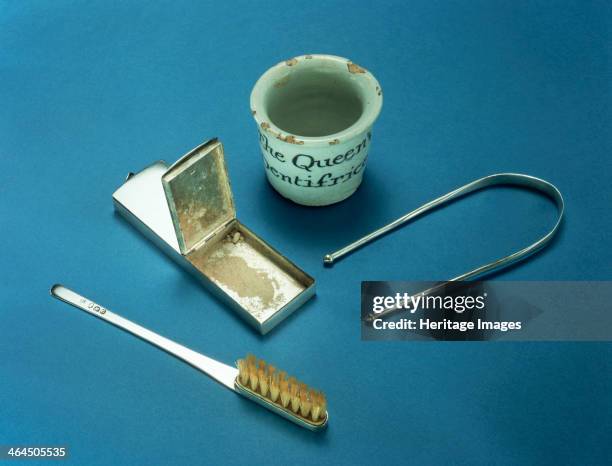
x,y
222,373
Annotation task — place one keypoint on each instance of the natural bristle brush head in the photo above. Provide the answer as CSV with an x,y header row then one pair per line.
x,y
254,379
283,394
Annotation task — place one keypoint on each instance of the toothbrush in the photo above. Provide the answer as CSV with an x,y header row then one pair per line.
x,y
253,378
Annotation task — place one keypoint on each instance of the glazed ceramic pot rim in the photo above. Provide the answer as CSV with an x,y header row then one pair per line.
x,y
372,101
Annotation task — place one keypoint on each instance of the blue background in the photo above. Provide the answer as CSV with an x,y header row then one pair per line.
x,y
92,90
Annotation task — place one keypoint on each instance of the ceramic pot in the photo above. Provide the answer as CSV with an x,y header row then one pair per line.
x,y
314,115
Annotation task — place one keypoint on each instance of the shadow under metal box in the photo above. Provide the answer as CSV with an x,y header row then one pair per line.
x,y
188,210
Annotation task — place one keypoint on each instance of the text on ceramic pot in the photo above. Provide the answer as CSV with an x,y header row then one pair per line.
x,y
308,163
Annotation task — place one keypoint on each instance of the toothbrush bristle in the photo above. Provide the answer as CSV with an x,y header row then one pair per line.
x,y
278,388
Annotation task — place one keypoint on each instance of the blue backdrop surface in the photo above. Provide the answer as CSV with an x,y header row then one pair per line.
x,y
92,90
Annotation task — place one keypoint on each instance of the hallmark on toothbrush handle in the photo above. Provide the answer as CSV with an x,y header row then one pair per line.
x,y
93,307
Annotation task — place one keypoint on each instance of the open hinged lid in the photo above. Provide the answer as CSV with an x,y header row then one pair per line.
x,y
199,195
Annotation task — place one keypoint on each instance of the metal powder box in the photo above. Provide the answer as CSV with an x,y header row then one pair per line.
x,y
188,210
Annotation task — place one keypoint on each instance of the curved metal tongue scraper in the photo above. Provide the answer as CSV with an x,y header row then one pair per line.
x,y
254,379
512,179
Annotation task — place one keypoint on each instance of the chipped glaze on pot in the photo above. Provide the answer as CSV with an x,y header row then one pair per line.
x,y
315,115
